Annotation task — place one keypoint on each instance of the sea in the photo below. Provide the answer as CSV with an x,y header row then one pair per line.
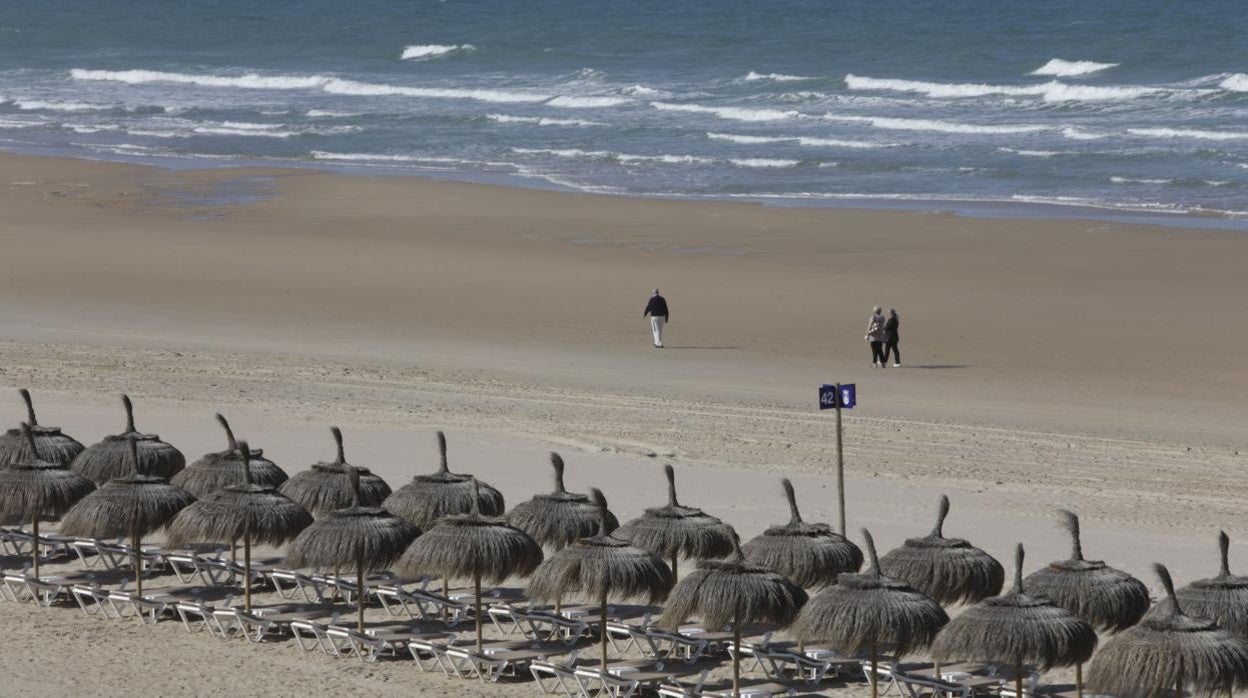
x,y
1121,109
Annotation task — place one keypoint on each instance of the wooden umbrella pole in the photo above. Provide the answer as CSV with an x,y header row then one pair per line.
x,y
1018,680
674,579
136,542
1079,680
34,548
446,594
736,654
247,567
603,629
361,596
476,590
875,674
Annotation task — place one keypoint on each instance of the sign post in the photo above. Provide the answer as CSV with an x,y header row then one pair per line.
x,y
839,396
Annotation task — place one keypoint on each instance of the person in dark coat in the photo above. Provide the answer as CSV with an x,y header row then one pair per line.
x,y
875,336
657,311
892,337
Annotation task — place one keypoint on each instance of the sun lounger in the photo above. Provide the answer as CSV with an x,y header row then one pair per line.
x,y
45,591
310,636
632,635
677,689
561,675
288,584
544,626
812,665
490,665
661,644
198,616
620,680
423,605
430,653
93,601
754,690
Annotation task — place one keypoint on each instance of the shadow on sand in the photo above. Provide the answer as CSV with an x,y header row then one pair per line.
x,y
715,348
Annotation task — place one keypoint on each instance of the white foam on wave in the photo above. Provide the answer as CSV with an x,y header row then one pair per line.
x,y
763,162
1069,69
1036,153
774,77
13,123
427,51
579,154
1052,91
1130,180
800,140
733,113
642,91
367,89
541,121
330,114
1201,134
1078,134
902,124
578,102
41,105
1237,82
240,130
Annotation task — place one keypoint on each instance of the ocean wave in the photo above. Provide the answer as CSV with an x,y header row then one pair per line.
x,y
1052,91
642,91
1069,69
579,154
12,123
252,81
1130,180
541,121
1201,134
41,105
902,124
330,114
763,162
225,130
576,102
774,77
800,140
367,89
427,51
733,113
426,160
1036,153
1237,82
91,128
1078,134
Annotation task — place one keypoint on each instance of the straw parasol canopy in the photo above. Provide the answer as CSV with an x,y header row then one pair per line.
x,y
672,531
811,554
472,546
1223,598
733,591
51,445
428,498
32,489
1170,649
132,506
326,487
249,511
366,538
110,458
867,611
219,470
600,568
1107,598
558,519
949,570
1016,630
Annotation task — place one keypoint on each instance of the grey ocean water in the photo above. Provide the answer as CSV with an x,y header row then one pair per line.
x,y
1119,109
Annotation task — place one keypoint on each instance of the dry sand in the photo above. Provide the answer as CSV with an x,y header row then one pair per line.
x,y
1049,363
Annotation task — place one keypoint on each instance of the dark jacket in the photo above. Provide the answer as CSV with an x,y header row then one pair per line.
x,y
657,307
890,329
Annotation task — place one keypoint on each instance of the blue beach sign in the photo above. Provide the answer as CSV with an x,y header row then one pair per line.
x,y
828,396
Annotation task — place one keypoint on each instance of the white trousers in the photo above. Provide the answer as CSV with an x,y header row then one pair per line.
x,y
656,328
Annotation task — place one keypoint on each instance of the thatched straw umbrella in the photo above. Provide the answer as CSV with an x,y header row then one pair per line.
x,y
1170,649
673,531
863,612
132,506
1015,630
428,498
51,445
1107,598
216,471
811,554
110,458
599,568
366,538
472,546
326,487
32,489
1223,598
249,511
561,518
949,570
733,591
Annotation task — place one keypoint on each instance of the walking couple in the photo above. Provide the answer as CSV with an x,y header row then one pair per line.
x,y
883,336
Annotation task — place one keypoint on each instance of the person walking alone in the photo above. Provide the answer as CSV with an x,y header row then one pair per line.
x,y
656,310
875,336
891,337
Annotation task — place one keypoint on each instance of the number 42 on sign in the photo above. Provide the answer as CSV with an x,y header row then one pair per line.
x,y
828,395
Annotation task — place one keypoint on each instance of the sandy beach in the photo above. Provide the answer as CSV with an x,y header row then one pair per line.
x,y
1049,364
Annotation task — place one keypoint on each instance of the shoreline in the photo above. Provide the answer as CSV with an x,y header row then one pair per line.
x,y
972,208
